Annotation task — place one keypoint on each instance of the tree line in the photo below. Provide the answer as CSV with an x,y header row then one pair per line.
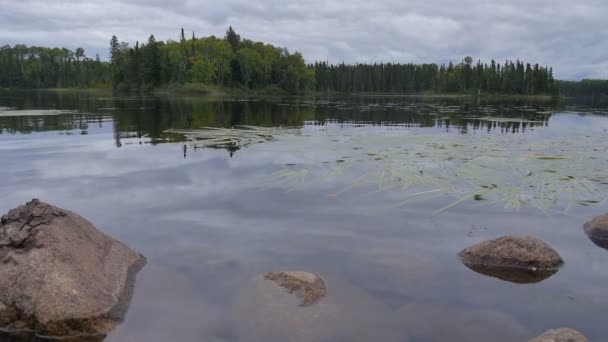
x,y
465,77
41,67
231,61
225,62
592,88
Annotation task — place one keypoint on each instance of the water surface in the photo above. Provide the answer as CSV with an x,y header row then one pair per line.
x,y
210,218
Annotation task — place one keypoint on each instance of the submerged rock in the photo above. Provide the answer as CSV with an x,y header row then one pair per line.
x,y
597,230
306,286
265,311
517,259
560,335
513,275
60,276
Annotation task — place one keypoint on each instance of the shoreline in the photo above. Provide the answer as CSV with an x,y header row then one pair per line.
x,y
200,90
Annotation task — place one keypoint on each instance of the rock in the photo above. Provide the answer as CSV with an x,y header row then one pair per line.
x,y
597,230
266,311
518,259
560,335
306,286
60,276
513,275
438,322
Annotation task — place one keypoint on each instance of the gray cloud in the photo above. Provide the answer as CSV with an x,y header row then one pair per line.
x,y
570,36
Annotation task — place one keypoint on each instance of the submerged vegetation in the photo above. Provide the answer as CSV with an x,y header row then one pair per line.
x,y
550,175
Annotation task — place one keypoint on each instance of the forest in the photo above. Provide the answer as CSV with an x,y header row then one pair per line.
x,y
236,63
592,88
42,67
465,77
223,62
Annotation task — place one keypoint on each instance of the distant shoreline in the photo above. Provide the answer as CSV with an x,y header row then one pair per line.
x,y
200,90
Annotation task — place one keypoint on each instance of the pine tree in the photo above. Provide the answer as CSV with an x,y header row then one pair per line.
x,y
183,63
114,50
192,53
114,62
151,63
135,69
233,38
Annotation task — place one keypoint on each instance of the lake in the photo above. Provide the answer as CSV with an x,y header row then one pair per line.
x,y
376,194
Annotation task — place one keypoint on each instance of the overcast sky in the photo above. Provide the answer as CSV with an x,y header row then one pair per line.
x,y
570,35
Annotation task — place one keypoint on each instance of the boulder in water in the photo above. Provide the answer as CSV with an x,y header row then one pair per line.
x,y
597,230
265,310
519,259
60,276
560,335
306,286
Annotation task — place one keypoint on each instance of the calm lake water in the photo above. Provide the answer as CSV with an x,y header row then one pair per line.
x,y
325,192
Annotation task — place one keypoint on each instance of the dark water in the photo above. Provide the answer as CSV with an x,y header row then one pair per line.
x,y
206,228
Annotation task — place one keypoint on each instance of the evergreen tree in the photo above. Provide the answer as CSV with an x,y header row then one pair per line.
x,y
193,52
114,62
135,79
233,38
151,63
79,54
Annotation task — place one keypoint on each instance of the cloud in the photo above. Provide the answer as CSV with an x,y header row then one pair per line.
x,y
570,36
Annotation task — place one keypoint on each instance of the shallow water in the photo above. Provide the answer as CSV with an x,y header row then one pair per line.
x,y
208,225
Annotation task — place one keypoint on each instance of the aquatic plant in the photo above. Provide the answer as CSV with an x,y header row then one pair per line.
x,y
514,171
6,112
236,137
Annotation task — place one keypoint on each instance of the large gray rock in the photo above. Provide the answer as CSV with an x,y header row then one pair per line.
x,y
518,259
597,230
60,276
560,335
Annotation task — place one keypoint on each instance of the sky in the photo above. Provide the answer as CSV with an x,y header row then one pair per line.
x,y
569,35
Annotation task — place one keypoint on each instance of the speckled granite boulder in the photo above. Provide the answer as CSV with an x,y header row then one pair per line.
x,y
519,259
59,275
560,335
597,230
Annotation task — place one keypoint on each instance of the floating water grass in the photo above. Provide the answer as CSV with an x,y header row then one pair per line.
x,y
512,171
505,120
6,112
236,137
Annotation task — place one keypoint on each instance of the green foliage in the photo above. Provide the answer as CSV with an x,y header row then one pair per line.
x,y
250,66
240,63
231,61
297,76
151,63
233,39
511,78
594,88
40,67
